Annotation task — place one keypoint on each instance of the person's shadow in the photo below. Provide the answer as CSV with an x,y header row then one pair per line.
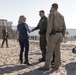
x,y
71,68
9,68
38,72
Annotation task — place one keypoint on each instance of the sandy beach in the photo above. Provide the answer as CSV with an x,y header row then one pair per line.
x,y
9,60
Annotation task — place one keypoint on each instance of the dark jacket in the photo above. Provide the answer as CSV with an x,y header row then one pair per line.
x,y
4,34
22,31
42,25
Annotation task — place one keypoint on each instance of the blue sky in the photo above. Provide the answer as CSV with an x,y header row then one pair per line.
x,y
12,9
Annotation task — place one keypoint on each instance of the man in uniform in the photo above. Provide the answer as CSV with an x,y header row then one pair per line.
x,y
55,32
42,26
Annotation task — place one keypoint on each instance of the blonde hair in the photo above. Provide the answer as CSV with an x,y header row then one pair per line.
x,y
22,19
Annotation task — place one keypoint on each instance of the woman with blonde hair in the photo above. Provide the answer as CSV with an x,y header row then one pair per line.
x,y
22,29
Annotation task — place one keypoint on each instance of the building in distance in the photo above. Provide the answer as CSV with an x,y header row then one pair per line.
x,y
4,22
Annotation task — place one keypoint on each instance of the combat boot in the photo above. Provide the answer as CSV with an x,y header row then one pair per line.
x,y
44,68
55,67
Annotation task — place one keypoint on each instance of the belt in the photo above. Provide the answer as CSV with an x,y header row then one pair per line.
x,y
58,31
54,32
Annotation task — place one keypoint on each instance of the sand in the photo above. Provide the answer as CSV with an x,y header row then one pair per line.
x,y
9,60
